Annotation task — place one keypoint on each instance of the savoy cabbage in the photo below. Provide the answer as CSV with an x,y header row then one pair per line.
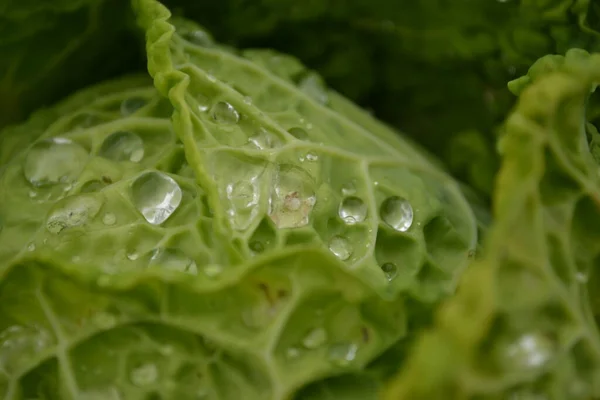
x,y
184,217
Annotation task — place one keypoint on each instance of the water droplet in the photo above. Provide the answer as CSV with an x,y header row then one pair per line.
x,y
530,351
243,200
131,105
311,157
145,374
54,161
292,352
225,113
173,259
73,211
156,196
352,210
315,338
203,102
342,354
298,133
212,271
211,78
248,100
397,213
292,198
31,247
19,345
198,37
104,320
92,186
314,86
263,140
256,246
348,188
581,277
340,247
109,219
122,146
390,270
132,256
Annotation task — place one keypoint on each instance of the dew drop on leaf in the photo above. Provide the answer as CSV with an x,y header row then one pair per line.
x,y
225,113
292,353
73,211
131,105
31,247
109,219
256,246
264,140
298,133
122,146
342,354
352,210
20,344
203,102
92,186
173,259
314,87
212,271
340,247
156,196
390,270
243,202
529,352
348,188
144,375
198,37
397,213
54,161
292,198
315,338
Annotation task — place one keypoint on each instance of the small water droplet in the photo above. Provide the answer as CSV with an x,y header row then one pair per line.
x,y
243,199
311,157
132,256
348,189
211,78
292,198
212,271
292,353
73,211
256,246
390,270
198,37
397,213
109,219
530,351
145,374
340,247
314,86
352,210
156,196
581,277
122,146
342,354
248,100
203,102
263,140
225,113
298,133
31,247
131,105
33,194
315,338
104,320
54,161
173,259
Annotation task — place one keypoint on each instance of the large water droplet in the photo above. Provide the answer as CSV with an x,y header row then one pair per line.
x,y
530,351
243,199
292,197
264,140
298,133
390,270
19,345
397,213
144,375
314,86
54,161
340,247
131,105
342,354
156,196
352,210
173,259
225,113
315,338
73,211
122,146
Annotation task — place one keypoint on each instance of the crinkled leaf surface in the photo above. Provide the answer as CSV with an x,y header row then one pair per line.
x,y
236,230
